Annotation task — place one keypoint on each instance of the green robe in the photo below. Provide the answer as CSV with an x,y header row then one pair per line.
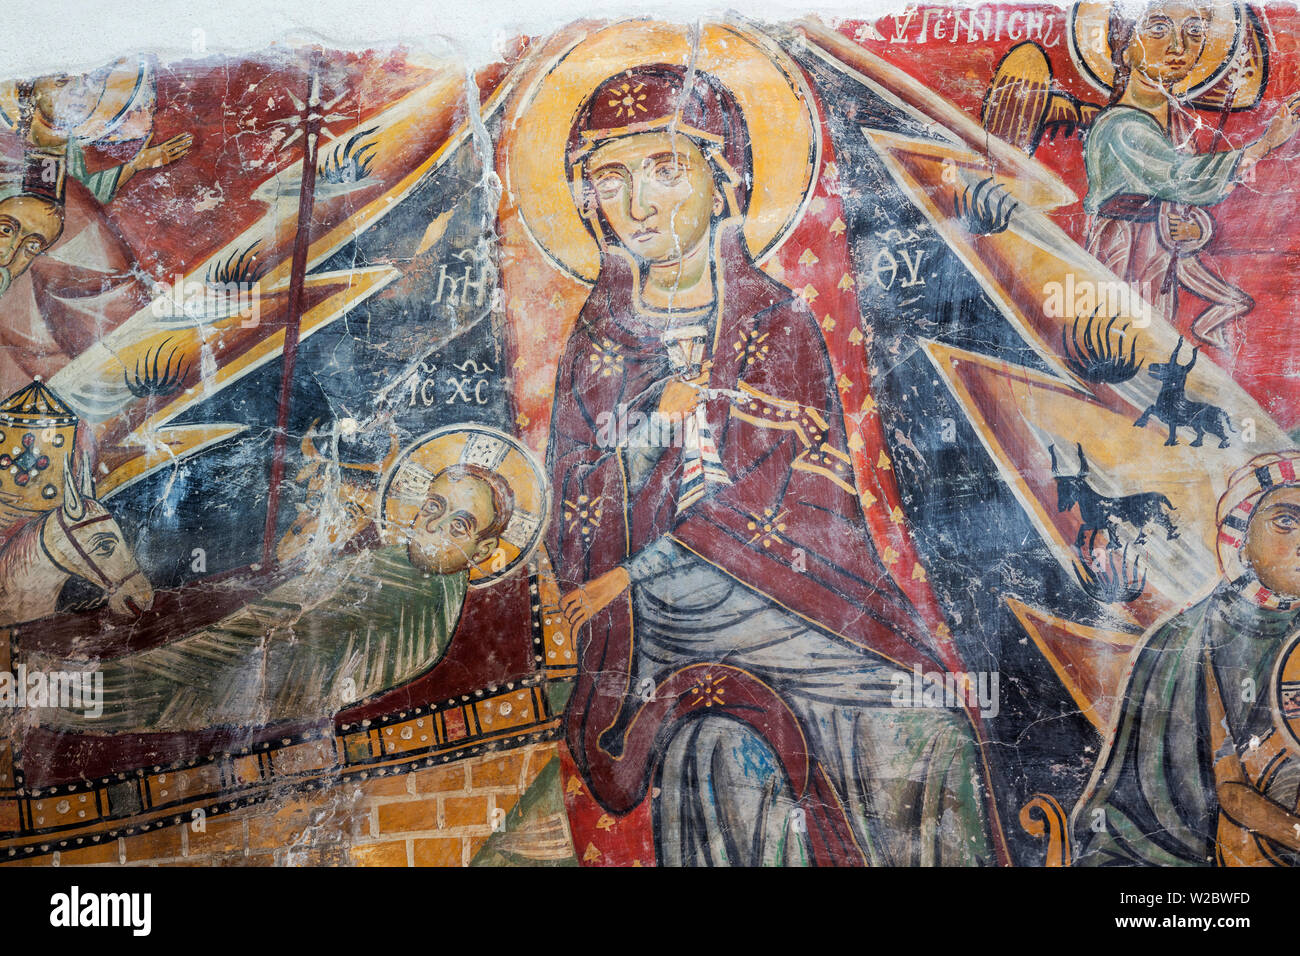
x,y
102,185
1152,800
316,644
1127,152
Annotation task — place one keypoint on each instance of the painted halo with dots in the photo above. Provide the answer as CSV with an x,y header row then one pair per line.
x,y
405,486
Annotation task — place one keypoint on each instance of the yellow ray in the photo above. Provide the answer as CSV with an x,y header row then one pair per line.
x,y
1090,661
350,289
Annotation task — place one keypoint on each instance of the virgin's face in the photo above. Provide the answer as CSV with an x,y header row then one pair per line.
x,y
1272,547
657,193
1168,41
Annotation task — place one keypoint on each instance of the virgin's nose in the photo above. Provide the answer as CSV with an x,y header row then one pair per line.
x,y
642,206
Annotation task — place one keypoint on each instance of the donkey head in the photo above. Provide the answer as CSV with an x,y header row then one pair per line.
x,y
86,541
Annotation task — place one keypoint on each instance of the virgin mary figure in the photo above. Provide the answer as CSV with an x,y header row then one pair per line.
x,y
738,631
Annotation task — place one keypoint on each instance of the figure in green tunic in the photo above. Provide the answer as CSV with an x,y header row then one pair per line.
x,y
1199,770
1147,188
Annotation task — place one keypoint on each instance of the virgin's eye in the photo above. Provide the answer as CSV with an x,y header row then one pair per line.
x,y
1285,523
607,187
669,173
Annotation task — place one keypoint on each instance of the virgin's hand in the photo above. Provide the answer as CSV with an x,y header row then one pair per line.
x,y
581,604
682,395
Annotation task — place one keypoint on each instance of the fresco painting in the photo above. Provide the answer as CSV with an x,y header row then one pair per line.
x,y
739,442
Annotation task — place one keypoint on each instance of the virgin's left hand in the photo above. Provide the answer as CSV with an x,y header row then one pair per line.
x,y
582,604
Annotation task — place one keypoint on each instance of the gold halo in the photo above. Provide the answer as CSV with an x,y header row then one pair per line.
x,y
769,88
122,111
1090,46
446,446
1286,692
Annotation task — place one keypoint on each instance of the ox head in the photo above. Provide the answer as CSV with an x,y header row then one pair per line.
x,y
339,503
1171,372
1068,487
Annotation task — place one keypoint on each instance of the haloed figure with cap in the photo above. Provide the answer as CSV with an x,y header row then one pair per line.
x,y
49,129
1202,768
31,214
734,620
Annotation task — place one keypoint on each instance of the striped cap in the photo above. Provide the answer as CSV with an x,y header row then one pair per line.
x,y
1246,488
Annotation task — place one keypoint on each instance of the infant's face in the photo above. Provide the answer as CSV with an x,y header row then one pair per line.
x,y
446,535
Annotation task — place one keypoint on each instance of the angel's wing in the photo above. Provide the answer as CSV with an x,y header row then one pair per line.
x,y
1021,104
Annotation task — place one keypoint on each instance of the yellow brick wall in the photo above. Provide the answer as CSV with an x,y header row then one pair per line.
x,y
438,816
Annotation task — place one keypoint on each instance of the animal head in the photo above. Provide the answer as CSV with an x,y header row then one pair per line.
x,y
1171,373
1069,487
339,504
84,540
